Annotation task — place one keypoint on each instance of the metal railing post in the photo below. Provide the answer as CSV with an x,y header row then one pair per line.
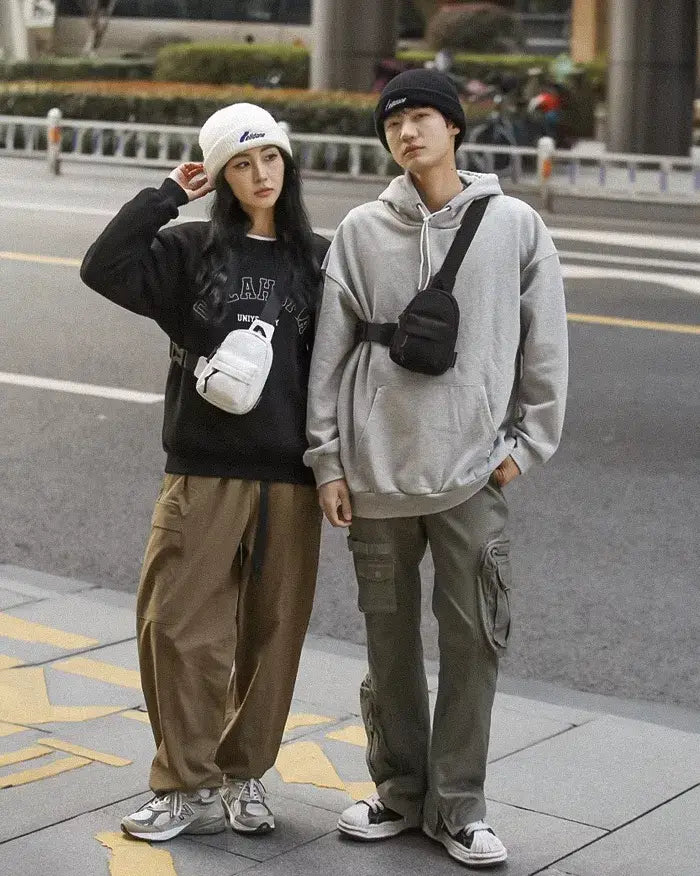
x,y
53,140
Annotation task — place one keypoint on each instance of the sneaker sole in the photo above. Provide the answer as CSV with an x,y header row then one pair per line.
x,y
265,827
374,832
464,856
162,836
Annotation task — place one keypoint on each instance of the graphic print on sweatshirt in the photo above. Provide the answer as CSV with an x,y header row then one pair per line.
x,y
236,302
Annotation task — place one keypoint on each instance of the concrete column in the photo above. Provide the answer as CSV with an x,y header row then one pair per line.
x,y
651,76
589,29
13,31
349,37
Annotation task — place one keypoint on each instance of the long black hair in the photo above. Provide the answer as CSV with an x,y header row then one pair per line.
x,y
230,224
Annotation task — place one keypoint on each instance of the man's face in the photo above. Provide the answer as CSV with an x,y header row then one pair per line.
x,y
420,137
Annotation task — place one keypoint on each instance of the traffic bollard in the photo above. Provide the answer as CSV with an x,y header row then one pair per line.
x,y
545,155
53,140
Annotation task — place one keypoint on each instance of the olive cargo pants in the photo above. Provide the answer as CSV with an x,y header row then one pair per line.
x,y
440,773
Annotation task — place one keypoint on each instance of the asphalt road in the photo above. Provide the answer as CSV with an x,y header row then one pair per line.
x,y
605,537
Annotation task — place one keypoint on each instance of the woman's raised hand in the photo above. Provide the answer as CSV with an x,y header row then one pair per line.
x,y
192,177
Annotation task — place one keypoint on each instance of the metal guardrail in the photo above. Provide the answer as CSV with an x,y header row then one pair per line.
x,y
551,170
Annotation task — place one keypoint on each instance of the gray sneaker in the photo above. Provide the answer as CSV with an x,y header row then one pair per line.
x,y
244,802
167,815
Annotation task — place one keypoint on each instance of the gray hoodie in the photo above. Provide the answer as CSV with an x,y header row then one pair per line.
x,y
411,444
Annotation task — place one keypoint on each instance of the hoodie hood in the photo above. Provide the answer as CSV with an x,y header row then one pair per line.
x,y
404,200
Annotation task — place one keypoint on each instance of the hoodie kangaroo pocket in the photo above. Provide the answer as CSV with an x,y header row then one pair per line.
x,y
424,438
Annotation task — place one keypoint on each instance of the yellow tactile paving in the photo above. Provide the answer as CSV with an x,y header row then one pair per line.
x,y
132,857
23,754
360,790
354,734
25,700
54,768
595,319
9,729
135,715
7,662
302,720
28,631
305,763
89,753
40,259
100,671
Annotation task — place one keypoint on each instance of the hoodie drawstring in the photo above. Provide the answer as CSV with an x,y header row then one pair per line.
x,y
426,216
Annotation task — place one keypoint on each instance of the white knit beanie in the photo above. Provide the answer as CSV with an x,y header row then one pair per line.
x,y
234,129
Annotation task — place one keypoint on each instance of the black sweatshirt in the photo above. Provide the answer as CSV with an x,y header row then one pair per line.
x,y
158,274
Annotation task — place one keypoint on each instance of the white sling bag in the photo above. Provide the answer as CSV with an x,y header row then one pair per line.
x,y
233,376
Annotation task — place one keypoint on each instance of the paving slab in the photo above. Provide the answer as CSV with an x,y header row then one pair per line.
x,y
338,691
33,806
295,824
413,854
11,598
603,773
73,613
513,730
65,688
562,714
666,841
71,849
40,584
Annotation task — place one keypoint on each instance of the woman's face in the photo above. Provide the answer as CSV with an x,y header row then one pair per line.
x,y
255,177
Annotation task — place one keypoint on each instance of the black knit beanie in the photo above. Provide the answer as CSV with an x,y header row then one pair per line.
x,y
420,88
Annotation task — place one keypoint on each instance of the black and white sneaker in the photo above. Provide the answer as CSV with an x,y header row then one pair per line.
x,y
370,819
476,845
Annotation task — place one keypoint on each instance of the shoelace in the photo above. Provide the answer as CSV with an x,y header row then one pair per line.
x,y
374,802
255,791
172,801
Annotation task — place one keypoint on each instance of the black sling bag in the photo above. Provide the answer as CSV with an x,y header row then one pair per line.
x,y
425,336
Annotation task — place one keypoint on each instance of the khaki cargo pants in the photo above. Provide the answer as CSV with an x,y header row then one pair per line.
x,y
440,773
219,644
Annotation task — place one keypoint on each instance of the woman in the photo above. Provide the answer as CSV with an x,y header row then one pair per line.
x,y
230,567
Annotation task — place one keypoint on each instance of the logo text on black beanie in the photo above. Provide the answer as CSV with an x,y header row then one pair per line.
x,y
392,103
249,135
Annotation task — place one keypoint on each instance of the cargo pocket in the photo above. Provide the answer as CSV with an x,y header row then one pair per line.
x,y
374,568
156,599
494,584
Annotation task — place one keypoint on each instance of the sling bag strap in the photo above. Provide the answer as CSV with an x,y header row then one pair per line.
x,y
382,332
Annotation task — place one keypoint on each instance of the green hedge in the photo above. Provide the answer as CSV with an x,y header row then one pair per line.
x,y
58,69
324,113
228,63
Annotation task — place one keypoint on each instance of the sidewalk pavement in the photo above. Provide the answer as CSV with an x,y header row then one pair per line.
x,y
571,789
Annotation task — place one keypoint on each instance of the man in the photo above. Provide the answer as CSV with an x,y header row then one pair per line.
x,y
406,459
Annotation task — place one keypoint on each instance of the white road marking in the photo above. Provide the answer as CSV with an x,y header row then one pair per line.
x,y
675,281
111,392
636,261
689,245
